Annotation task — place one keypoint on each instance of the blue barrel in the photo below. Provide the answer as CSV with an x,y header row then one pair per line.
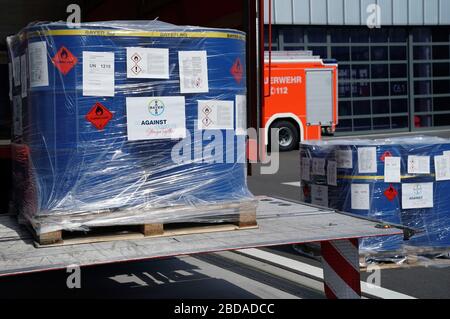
x,y
79,168
385,202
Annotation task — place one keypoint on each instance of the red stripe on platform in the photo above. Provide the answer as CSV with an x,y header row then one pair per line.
x,y
341,267
329,293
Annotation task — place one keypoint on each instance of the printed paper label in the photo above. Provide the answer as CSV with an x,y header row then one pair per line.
x,y
17,116
241,115
367,160
318,166
16,71
147,63
442,168
154,118
23,75
98,74
306,169
392,170
319,195
418,165
344,159
193,71
416,196
332,173
38,64
360,196
215,115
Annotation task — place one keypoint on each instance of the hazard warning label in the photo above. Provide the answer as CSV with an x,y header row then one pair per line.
x,y
237,71
99,116
64,60
147,63
386,154
391,193
215,115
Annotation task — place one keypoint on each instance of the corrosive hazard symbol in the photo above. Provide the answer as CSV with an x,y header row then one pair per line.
x,y
64,60
237,71
99,116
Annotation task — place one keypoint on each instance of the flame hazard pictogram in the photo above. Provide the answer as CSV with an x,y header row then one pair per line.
x,y
391,193
64,60
99,116
237,71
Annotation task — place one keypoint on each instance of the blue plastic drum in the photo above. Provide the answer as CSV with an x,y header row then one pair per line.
x,y
80,168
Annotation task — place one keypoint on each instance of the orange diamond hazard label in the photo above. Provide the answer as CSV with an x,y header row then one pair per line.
x,y
237,71
391,193
99,116
64,60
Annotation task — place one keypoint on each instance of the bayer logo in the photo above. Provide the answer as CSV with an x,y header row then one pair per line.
x,y
156,107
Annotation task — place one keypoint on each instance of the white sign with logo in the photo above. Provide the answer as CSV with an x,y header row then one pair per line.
x,y
147,63
193,71
416,196
155,118
215,115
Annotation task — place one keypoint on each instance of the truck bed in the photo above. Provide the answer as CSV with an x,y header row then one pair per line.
x,y
281,222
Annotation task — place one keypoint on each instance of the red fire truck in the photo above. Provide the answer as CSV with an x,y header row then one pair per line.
x,y
300,97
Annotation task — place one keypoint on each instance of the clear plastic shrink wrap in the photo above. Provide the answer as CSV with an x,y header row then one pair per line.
x,y
123,123
404,181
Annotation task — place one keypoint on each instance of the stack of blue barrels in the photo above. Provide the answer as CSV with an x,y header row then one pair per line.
x,y
385,199
78,167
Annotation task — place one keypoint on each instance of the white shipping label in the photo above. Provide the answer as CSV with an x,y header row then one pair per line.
x,y
215,115
98,74
23,75
147,63
16,71
418,165
10,81
319,195
344,159
17,116
417,196
442,168
38,64
360,196
155,118
367,160
332,173
318,166
241,115
392,170
193,71
306,169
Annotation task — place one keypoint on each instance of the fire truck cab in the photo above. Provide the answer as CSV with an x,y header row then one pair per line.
x,y
300,97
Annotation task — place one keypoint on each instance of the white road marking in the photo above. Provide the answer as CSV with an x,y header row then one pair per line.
x,y
295,184
317,272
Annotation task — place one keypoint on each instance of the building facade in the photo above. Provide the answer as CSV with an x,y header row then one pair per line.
x,y
395,77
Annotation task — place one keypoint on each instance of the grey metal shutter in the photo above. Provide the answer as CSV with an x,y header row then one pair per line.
x,y
319,97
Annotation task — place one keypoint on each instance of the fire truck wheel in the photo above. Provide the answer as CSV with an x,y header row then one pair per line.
x,y
288,136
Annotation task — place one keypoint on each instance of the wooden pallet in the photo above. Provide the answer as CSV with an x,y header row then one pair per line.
x,y
244,219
